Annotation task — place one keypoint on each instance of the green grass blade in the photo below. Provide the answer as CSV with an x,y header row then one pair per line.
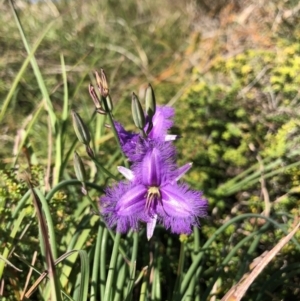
x,y
61,128
49,221
36,69
28,129
22,70
82,293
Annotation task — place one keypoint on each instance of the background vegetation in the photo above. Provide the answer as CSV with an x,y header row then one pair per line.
x,y
231,69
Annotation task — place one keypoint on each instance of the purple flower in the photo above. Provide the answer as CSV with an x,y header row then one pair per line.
x,y
133,144
153,195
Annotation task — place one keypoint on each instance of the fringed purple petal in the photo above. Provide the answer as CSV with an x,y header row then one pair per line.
x,y
183,170
124,136
175,202
162,122
128,140
181,207
157,165
152,168
114,211
132,202
171,137
127,173
151,226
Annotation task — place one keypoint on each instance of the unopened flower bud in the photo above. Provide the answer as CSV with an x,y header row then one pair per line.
x,y
81,129
102,83
137,113
150,102
79,168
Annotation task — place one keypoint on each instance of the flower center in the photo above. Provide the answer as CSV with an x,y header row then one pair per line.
x,y
152,195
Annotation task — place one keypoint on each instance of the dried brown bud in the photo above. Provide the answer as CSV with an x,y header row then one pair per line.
x,y
102,83
96,100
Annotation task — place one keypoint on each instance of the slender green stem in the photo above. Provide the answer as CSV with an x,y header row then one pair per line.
x,y
121,249
103,169
190,293
157,285
58,156
196,240
65,183
99,129
121,266
112,268
96,264
191,289
103,263
179,271
93,204
143,293
132,265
